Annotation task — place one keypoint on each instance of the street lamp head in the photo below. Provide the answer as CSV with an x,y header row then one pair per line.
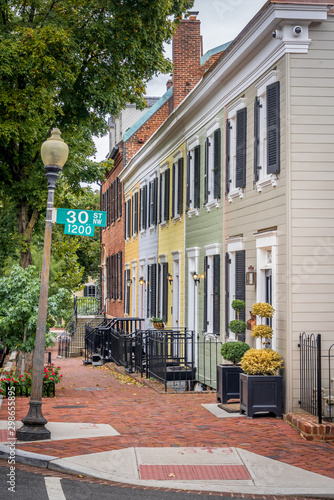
x,y
54,150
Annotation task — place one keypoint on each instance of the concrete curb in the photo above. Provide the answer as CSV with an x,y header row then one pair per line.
x,y
26,457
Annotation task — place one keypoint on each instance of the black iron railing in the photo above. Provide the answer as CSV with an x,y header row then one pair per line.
x,y
316,377
87,306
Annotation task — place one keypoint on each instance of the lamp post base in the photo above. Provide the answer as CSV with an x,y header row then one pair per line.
x,y
33,428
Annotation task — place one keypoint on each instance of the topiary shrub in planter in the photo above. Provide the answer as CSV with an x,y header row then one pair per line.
x,y
228,375
238,326
260,384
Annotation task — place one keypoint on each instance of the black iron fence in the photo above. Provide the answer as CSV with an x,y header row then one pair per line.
x,y
49,390
316,377
175,357
87,306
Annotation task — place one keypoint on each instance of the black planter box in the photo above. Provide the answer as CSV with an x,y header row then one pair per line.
x,y
260,393
228,383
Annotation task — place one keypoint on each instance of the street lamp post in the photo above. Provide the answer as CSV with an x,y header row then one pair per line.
x,y
54,154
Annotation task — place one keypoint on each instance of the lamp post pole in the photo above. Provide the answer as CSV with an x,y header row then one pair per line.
x,y
54,155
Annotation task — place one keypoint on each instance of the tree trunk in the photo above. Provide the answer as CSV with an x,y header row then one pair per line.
x,y
25,230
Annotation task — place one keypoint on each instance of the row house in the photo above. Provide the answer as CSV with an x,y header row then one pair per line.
x,y
239,177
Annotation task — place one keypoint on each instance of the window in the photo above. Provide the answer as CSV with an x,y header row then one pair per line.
x,y
235,286
164,196
127,291
153,200
212,290
135,214
177,189
212,170
127,225
236,143
90,291
193,179
143,208
114,276
151,290
112,201
267,132
163,291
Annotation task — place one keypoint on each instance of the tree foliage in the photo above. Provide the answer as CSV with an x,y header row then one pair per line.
x,y
19,298
68,63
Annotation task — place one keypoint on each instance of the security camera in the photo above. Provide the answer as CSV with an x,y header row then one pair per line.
x,y
297,30
277,34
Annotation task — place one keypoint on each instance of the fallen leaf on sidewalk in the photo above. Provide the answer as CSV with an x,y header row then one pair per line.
x,y
171,475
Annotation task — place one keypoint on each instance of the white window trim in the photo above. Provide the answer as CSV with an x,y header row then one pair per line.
x,y
193,142
232,115
192,211
264,241
265,179
177,155
212,249
215,203
212,127
233,245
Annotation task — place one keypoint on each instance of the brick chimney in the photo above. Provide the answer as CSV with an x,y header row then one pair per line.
x,y
187,52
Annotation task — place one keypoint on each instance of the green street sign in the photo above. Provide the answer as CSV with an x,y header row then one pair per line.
x,y
81,217
79,229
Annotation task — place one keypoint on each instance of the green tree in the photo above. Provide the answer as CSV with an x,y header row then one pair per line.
x,y
68,63
19,298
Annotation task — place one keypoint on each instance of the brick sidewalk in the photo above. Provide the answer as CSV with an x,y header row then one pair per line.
x,y
145,418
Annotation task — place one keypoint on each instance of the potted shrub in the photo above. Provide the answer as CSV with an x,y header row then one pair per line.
x,y
260,384
228,375
238,326
157,323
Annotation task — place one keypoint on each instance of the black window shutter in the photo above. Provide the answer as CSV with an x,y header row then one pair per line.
x,y
108,208
180,187
173,191
148,287
150,192
114,276
206,171
140,208
136,213
155,201
216,294
153,286
197,176
145,207
205,296
125,296
273,128
107,277
240,281
125,222
227,292
160,199
188,201
241,148
114,205
127,291
217,162
166,201
116,198
111,277
111,203
120,199
86,291
164,292
120,271
257,107
228,156
129,217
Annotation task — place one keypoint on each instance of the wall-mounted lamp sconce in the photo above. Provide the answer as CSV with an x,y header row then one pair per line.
x,y
128,283
196,277
142,281
169,278
250,276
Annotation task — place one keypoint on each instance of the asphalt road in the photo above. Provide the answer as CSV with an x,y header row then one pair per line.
x,y
37,486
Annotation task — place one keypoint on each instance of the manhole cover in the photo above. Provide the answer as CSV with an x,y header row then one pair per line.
x,y
71,406
90,389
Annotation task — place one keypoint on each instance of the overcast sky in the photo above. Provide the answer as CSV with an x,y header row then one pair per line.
x,y
221,22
